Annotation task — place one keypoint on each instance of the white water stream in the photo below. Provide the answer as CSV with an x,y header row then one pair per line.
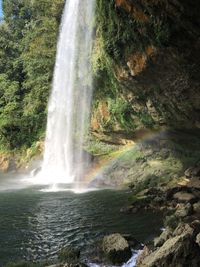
x,y
70,100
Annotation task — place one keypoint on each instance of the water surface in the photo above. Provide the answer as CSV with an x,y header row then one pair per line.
x,y
35,225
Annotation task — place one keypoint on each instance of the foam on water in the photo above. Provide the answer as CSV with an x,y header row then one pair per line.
x,y
130,263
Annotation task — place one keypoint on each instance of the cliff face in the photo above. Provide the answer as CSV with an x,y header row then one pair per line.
x,y
147,54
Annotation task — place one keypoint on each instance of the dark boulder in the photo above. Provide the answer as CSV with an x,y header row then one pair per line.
x,y
116,249
180,249
193,172
185,197
69,255
184,210
196,207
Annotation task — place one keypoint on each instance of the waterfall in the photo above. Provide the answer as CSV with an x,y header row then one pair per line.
x,y
70,100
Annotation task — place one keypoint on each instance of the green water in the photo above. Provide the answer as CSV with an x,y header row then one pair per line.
x,y
35,225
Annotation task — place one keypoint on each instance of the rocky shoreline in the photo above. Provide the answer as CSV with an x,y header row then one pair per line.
x,y
179,243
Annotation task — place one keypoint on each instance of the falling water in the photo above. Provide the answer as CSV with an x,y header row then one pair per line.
x,y
70,100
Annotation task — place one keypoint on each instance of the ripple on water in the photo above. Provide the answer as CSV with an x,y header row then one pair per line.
x,y
36,225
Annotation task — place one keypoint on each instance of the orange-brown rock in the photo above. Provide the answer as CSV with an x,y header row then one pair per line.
x,y
137,62
133,9
100,116
121,73
4,163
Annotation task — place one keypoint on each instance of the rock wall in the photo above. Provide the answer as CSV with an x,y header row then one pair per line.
x,y
147,54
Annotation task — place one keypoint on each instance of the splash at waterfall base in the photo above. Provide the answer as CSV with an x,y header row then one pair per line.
x,y
57,180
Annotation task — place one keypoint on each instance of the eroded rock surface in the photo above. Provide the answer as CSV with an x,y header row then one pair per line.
x,y
180,250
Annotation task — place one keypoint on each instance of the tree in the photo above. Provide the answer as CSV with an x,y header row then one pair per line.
x,y
28,37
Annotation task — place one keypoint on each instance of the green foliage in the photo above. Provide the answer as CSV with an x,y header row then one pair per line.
x,y
131,154
120,111
161,31
28,37
9,110
119,34
115,36
146,119
150,181
27,155
116,30
98,148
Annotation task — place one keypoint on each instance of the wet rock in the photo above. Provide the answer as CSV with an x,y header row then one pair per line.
x,y
196,207
184,197
133,243
144,192
69,255
183,210
194,183
196,226
116,248
128,209
192,172
198,239
171,221
180,250
158,200
153,191
159,241
4,163
172,191
196,193
145,253
185,229
135,209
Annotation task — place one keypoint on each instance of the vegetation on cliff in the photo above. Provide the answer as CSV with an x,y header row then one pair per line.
x,y
144,61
